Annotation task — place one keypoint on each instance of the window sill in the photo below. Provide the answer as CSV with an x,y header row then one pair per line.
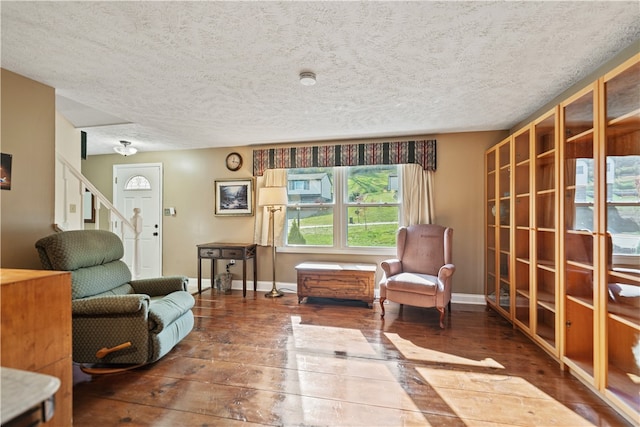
x,y
346,251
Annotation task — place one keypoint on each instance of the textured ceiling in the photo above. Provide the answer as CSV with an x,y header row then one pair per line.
x,y
177,75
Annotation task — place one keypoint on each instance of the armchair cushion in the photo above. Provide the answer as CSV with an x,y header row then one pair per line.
x,y
98,279
76,249
415,282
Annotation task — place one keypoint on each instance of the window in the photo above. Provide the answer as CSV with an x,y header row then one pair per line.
x,y
343,207
298,185
623,201
623,204
137,182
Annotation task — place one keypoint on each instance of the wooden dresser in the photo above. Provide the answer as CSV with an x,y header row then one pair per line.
x,y
35,330
336,280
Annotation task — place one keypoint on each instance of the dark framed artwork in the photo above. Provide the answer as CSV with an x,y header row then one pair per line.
x,y
234,197
5,171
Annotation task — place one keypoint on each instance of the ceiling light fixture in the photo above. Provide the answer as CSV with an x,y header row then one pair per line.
x,y
307,78
125,150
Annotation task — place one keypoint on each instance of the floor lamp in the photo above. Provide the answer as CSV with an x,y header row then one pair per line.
x,y
272,197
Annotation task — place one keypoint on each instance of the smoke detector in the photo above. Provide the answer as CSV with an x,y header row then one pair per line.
x,y
307,78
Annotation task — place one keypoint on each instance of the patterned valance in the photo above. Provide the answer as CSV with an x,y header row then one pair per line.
x,y
377,153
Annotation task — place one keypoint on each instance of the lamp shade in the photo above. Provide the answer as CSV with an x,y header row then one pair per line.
x,y
272,196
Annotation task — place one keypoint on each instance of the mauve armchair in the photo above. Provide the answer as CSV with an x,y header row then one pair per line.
x,y
421,274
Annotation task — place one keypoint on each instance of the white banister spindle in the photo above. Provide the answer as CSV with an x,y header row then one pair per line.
x,y
136,220
65,197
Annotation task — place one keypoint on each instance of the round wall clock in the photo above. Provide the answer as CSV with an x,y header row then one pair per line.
x,y
234,161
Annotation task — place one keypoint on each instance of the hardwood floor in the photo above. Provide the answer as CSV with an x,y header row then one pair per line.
x,y
259,361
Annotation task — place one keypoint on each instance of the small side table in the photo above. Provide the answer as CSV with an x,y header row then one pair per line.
x,y
237,251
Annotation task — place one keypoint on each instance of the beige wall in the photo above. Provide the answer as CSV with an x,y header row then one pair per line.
x,y
459,202
28,133
189,177
188,185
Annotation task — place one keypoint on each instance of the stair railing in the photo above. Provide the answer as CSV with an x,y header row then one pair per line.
x,y
118,223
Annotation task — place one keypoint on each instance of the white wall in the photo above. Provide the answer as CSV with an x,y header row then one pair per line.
x,y
68,202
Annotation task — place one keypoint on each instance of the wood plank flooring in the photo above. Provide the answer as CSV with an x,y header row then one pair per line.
x,y
259,361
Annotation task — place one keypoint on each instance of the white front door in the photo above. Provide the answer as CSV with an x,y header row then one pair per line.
x,y
140,186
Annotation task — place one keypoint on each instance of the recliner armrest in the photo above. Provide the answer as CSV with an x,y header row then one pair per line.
x,y
391,267
110,305
446,271
160,285
168,309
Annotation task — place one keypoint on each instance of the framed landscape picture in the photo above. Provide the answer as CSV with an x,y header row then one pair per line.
x,y
234,197
5,171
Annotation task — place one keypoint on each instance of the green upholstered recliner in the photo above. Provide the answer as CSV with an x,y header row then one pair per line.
x,y
108,308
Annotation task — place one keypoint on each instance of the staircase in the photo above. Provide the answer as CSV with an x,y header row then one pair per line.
x,y
106,215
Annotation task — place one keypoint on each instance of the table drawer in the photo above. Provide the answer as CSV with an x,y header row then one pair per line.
x,y
210,253
221,253
232,253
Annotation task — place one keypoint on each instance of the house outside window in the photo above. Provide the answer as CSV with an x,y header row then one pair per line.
x,y
344,208
622,199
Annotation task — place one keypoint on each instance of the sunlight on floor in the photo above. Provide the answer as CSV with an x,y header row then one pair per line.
x,y
413,352
487,399
339,390
333,340
339,382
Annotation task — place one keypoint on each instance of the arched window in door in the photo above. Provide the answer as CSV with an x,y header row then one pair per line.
x,y
137,182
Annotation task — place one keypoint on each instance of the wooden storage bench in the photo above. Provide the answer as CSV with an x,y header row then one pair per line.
x,y
336,280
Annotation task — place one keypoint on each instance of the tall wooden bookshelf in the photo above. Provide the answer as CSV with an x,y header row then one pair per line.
x,y
522,230
498,227
618,348
563,234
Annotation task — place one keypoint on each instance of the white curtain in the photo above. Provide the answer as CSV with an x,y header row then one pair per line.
x,y
262,231
417,195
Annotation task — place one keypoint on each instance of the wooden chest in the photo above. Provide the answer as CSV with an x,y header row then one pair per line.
x,y
336,280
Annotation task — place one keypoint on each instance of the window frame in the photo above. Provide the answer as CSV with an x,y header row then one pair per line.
x,y
590,165
340,206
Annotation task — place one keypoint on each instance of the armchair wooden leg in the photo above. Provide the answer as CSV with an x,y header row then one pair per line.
x,y
382,306
442,310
